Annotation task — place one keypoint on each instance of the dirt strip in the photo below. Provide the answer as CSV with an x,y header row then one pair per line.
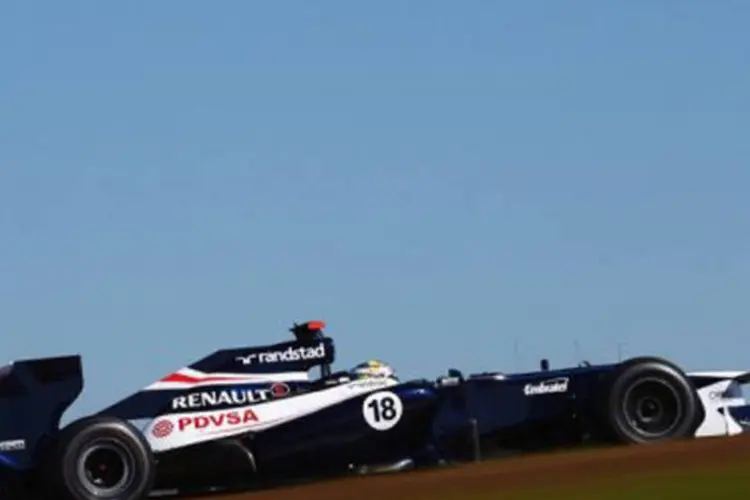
x,y
515,474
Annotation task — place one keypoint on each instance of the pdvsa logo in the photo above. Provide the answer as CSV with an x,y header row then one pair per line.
x,y
218,421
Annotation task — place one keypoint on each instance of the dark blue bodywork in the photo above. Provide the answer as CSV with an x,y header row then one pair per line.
x,y
34,394
494,409
443,420
337,437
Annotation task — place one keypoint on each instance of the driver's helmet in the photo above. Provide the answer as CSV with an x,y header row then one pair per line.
x,y
372,369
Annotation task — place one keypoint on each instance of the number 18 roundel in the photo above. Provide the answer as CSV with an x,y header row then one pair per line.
x,y
382,410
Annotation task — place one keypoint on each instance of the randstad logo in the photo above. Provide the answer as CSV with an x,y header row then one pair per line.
x,y
288,355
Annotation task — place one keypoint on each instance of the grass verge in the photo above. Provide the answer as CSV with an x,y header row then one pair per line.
x,y
705,484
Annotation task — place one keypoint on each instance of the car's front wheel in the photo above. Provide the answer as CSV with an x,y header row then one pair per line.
x,y
650,400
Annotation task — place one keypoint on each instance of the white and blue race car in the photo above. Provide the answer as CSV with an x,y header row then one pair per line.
x,y
259,415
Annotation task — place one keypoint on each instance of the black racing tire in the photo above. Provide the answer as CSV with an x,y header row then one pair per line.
x,y
13,487
650,400
101,458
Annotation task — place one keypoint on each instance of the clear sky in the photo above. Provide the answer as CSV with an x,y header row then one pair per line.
x,y
436,180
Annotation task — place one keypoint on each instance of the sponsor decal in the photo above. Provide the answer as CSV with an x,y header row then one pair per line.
x,y
368,383
218,421
382,410
162,429
552,386
280,390
287,355
237,397
13,445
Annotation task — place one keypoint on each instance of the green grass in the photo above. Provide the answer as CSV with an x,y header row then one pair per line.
x,y
706,484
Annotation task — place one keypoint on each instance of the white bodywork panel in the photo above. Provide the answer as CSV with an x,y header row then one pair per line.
x,y
716,398
176,430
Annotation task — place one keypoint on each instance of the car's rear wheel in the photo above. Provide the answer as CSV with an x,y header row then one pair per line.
x,y
651,400
101,458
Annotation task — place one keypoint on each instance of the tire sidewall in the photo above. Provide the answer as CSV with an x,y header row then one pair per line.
x,y
81,435
636,371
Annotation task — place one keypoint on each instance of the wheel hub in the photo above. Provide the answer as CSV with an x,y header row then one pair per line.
x,y
653,407
649,409
105,469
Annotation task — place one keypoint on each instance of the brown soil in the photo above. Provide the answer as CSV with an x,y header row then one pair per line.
x,y
508,475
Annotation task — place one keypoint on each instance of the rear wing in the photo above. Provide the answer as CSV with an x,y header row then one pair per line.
x,y
34,394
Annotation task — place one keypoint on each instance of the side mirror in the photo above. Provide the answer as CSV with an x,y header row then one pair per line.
x,y
544,365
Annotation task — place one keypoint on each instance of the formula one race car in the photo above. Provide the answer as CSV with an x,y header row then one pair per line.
x,y
256,416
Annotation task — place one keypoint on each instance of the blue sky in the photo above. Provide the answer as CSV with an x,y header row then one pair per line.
x,y
436,180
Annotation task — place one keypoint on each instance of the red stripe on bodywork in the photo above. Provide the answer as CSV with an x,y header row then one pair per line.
x,y
179,377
